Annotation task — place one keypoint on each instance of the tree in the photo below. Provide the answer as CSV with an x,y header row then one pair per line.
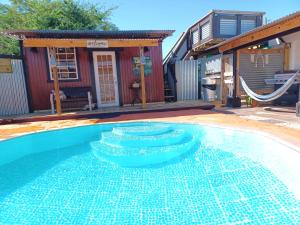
x,y
51,15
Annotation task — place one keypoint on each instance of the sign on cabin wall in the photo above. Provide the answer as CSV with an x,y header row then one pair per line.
x,y
147,65
5,66
97,44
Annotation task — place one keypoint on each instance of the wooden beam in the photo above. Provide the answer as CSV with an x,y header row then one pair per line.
x,y
268,31
143,85
261,51
286,62
56,90
238,88
112,43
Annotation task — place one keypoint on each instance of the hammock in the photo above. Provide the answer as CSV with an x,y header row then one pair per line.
x,y
269,97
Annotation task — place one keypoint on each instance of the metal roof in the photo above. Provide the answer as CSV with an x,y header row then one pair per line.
x,y
128,34
237,12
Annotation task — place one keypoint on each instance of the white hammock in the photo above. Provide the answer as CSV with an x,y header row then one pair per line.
x,y
269,97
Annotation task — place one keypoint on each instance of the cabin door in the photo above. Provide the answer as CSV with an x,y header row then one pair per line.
x,y
106,79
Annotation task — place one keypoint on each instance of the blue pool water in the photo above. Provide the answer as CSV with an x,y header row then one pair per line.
x,y
148,173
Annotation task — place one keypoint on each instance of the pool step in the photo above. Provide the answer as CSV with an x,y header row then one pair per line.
x,y
130,140
142,156
142,130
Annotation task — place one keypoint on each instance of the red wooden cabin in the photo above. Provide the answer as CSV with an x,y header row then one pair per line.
x,y
103,62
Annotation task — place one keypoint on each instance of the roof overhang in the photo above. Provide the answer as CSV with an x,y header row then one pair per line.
x,y
88,39
89,43
278,28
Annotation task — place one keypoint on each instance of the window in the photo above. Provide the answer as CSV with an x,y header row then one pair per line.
x,y
205,31
66,63
195,36
228,26
247,25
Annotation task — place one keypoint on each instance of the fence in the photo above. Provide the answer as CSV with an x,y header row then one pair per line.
x,y
13,94
189,74
187,79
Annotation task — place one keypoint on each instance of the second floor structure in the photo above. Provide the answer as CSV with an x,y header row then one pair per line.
x,y
215,27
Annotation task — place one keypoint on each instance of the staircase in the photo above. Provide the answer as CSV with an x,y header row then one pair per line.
x,y
170,84
169,97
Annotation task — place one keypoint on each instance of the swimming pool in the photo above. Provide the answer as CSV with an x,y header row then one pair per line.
x,y
148,173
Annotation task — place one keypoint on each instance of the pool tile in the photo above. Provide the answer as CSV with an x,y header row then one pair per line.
x,y
227,193
280,219
104,200
16,213
220,179
238,212
81,200
198,184
288,201
265,206
243,176
57,198
206,214
231,164
212,167
250,190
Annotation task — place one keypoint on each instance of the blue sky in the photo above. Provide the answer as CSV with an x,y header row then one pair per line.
x,y
179,15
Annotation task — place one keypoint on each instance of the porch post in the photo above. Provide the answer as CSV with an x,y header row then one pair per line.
x,y
53,64
56,89
143,87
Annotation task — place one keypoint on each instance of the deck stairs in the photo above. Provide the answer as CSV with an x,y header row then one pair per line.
x,y
169,97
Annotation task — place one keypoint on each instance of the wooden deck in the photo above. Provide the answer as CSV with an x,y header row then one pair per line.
x,y
108,112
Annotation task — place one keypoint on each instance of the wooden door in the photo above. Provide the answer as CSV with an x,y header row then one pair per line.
x,y
106,79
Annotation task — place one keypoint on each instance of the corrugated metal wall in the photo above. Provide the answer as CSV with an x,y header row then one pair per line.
x,y
40,86
187,80
38,73
260,67
154,81
188,73
13,95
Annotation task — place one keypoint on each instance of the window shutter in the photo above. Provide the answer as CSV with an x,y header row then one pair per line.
x,y
228,26
195,36
247,25
205,31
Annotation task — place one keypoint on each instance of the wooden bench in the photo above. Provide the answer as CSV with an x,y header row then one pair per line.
x,y
73,98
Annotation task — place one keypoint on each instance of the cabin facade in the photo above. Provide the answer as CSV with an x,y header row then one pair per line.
x,y
103,64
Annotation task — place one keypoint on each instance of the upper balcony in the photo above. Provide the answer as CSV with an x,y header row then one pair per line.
x,y
219,25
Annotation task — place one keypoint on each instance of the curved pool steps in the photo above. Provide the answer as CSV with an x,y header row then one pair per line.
x,y
131,140
142,130
138,146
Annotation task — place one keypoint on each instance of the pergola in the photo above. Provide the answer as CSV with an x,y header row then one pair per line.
x,y
276,29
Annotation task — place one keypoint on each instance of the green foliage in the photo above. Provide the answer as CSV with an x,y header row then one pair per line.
x,y
51,15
